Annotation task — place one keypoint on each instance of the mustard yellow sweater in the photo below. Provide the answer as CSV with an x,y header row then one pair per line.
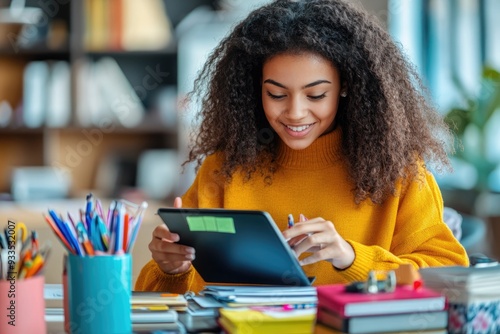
x,y
405,229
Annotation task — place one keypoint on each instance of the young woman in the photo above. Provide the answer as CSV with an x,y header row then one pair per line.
x,y
311,109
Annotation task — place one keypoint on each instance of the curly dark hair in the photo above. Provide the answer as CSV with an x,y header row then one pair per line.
x,y
389,127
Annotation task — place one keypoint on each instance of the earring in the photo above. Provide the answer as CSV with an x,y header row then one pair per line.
x,y
343,93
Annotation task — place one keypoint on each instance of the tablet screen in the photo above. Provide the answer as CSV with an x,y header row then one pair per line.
x,y
236,246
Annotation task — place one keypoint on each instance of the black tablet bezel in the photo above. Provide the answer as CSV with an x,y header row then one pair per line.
x,y
227,257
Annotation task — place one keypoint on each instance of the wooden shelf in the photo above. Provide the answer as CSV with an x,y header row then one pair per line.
x,y
36,53
88,151
15,130
142,129
170,50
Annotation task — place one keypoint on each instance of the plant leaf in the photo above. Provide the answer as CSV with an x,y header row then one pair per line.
x,y
491,78
457,119
468,98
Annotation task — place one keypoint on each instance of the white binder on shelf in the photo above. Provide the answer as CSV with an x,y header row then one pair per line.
x,y
36,77
59,95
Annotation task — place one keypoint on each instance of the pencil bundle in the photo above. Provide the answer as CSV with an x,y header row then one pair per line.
x,y
95,233
20,254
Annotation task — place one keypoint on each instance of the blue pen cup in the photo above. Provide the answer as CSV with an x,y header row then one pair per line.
x,y
99,292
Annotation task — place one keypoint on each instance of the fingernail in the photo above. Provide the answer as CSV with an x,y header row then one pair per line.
x,y
190,256
302,218
189,250
175,237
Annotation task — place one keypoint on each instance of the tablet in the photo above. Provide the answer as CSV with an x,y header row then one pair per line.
x,y
236,246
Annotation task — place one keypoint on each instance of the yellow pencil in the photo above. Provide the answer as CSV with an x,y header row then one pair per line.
x,y
37,263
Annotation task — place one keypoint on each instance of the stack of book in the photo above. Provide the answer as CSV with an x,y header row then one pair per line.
x,y
157,311
150,311
174,301
245,296
265,309
473,295
267,320
404,310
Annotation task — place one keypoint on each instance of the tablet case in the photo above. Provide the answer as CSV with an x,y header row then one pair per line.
x,y
236,246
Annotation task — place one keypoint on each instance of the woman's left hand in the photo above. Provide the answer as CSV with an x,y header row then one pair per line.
x,y
320,237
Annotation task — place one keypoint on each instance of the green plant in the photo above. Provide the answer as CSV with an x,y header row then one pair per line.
x,y
469,124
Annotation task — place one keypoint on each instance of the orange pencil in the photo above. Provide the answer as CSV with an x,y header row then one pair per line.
x,y
59,234
87,245
125,233
25,258
36,265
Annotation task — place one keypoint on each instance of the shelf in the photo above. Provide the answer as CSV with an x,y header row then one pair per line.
x,y
170,50
142,129
36,53
83,33
15,130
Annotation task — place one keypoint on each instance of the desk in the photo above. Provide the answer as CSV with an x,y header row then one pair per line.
x,y
31,215
206,324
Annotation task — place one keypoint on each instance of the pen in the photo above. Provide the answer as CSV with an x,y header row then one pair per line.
x,y
137,224
88,218
83,239
109,218
59,234
3,241
291,223
3,263
112,225
70,237
98,208
72,226
103,234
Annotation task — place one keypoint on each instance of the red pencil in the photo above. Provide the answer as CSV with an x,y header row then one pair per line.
x,y
125,233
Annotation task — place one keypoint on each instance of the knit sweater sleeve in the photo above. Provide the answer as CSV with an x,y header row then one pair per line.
x,y
206,191
421,237
152,278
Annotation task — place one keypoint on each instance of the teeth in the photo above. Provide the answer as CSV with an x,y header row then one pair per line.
x,y
298,128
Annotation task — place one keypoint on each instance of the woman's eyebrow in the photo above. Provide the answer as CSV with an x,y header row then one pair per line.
x,y
272,82
315,83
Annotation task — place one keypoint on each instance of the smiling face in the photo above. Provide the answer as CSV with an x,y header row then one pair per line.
x,y
300,95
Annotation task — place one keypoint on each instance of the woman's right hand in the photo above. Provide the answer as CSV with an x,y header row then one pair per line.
x,y
171,257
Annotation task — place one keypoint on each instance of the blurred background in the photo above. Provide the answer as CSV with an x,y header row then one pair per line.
x,y
92,91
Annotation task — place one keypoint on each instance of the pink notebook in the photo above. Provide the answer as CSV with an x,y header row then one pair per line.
x,y
403,300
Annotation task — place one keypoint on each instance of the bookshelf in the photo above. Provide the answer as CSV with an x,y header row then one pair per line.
x,y
135,111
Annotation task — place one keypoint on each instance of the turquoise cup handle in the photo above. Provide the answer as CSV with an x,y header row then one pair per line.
x,y
99,291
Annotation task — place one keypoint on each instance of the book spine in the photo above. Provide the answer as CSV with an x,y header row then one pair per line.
x,y
330,305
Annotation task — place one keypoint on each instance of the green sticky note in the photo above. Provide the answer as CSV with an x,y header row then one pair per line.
x,y
196,223
210,224
225,225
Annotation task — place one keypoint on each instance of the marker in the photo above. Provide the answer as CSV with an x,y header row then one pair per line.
x,y
88,218
284,308
289,307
